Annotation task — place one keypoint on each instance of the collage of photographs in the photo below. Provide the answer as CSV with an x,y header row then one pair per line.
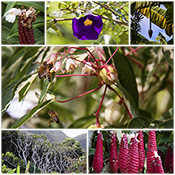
x,y
87,87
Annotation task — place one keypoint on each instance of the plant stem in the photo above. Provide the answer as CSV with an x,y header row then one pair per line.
x,y
121,101
79,95
96,114
73,75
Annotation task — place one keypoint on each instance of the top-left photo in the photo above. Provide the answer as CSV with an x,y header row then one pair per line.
x,y
22,22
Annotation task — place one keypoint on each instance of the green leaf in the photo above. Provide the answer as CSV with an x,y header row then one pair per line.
x,y
167,54
30,114
91,151
10,5
45,90
26,86
126,74
138,122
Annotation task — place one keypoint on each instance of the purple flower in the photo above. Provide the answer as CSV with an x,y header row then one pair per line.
x,y
87,27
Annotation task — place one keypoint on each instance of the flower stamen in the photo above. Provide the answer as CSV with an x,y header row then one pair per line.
x,y
88,22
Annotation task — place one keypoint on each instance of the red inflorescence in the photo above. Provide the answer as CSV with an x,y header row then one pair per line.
x,y
26,35
133,156
113,159
152,147
123,154
141,150
158,165
169,160
98,157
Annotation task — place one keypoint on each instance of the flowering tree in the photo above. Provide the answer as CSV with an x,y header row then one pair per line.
x,y
96,22
22,22
91,86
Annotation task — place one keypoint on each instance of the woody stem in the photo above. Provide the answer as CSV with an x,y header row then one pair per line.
x,y
121,101
79,95
96,114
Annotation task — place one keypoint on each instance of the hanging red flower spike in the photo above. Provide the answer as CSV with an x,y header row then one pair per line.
x,y
141,150
98,157
123,155
113,159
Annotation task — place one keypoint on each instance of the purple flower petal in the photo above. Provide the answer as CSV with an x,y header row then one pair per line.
x,y
88,27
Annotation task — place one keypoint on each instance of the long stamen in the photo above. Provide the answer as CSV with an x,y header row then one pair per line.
x,y
121,101
96,114
79,95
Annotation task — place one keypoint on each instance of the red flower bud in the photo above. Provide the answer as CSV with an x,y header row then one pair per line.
x,y
133,156
141,150
98,157
113,159
123,154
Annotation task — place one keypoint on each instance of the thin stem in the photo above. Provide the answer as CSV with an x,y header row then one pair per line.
x,y
133,50
79,95
122,8
96,114
121,101
73,75
111,56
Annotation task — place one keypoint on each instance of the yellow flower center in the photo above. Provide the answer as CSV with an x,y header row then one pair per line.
x,y
12,13
88,22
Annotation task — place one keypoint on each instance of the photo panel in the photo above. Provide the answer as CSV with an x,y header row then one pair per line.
x,y
87,22
152,22
87,87
131,151
23,22
44,151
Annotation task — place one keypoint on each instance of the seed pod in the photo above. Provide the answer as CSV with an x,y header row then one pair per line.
x,y
152,147
133,156
150,32
98,157
123,154
158,164
113,158
141,150
169,160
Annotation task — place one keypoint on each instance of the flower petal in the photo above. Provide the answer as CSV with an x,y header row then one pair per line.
x,y
90,31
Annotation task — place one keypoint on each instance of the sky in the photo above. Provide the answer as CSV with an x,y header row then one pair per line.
x,y
145,27
74,132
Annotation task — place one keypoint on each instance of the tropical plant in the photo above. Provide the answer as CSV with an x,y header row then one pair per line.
x,y
61,14
10,33
139,82
161,17
156,145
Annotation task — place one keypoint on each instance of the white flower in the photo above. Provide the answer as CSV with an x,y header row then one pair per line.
x,y
70,65
52,59
11,14
30,12
88,69
57,67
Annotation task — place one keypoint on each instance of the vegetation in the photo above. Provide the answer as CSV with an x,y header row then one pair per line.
x,y
25,152
10,33
161,17
139,90
114,16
